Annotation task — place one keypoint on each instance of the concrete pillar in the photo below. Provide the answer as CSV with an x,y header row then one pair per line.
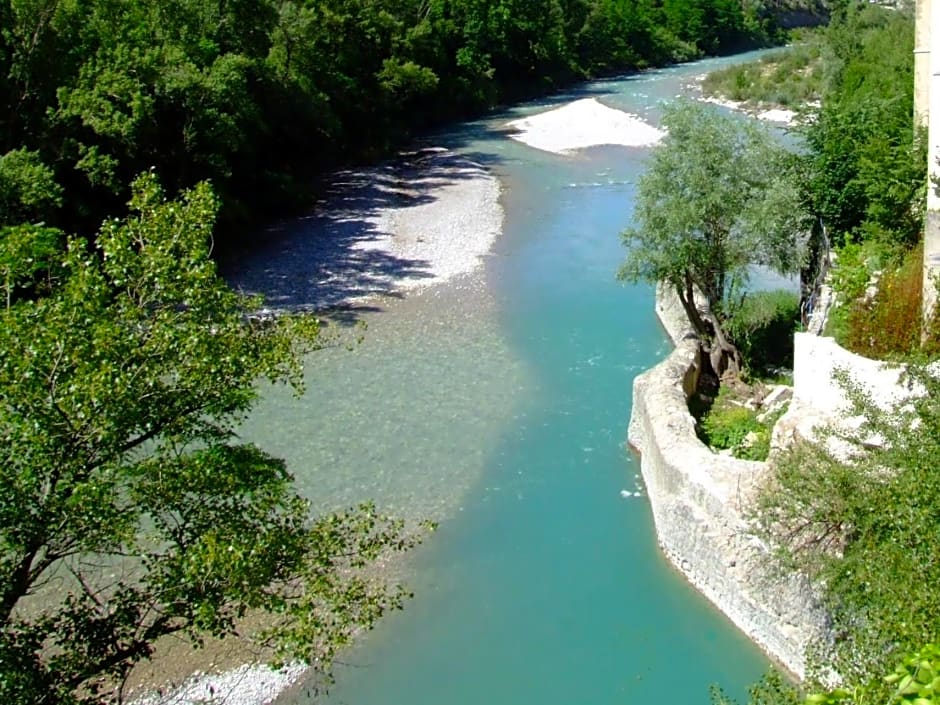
x,y
932,225
921,61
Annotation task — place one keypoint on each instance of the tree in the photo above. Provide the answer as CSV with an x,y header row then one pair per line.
x,y
714,200
28,191
128,508
869,165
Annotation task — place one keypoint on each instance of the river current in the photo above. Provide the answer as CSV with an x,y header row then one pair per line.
x,y
497,404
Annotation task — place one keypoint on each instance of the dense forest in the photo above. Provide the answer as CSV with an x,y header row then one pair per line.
x,y
260,96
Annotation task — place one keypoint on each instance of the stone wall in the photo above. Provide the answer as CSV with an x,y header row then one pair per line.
x,y
697,498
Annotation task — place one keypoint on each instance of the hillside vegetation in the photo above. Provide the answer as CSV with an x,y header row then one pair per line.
x,y
260,95
789,78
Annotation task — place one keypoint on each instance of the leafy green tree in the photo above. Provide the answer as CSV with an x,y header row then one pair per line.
x,y
128,508
715,200
868,166
259,95
28,189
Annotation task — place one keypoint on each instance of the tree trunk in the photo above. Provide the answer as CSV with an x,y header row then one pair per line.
x,y
721,353
686,293
724,357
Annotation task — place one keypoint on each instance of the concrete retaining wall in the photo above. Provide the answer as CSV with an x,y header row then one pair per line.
x,y
819,400
815,362
697,496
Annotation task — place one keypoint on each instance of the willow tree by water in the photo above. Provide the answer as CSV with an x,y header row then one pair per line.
x,y
717,198
129,510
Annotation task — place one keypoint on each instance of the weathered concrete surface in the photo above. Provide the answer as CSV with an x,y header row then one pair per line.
x,y
697,499
818,398
922,12
929,10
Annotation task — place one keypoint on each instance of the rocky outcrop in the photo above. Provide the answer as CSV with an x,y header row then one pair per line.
x,y
797,13
699,499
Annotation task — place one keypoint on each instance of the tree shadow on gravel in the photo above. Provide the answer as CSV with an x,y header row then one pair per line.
x,y
335,256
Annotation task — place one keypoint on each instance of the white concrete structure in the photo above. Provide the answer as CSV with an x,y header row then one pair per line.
x,y
921,61
927,32
699,500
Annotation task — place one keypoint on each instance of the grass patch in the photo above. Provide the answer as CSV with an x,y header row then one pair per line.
x,y
889,325
762,328
886,324
855,266
731,425
788,78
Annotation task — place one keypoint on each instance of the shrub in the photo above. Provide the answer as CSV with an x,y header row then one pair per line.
x,y
863,524
791,77
889,325
727,423
727,426
856,264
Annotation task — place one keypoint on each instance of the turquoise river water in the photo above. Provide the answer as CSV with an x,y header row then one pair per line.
x,y
498,405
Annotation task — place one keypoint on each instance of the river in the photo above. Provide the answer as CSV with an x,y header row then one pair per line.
x,y
497,404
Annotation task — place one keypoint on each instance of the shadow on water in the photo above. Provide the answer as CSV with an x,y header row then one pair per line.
x,y
338,254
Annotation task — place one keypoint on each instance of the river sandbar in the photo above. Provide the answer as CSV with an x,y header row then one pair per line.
x,y
584,123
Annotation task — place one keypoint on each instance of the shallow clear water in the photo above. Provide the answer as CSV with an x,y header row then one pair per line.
x,y
499,405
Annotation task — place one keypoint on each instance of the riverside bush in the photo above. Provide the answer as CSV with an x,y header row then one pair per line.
x,y
863,525
730,425
915,680
727,425
889,325
856,264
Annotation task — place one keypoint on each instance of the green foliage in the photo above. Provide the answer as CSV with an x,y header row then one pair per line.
x,y
854,265
762,327
730,425
863,524
889,324
771,689
868,166
917,678
28,190
258,95
30,257
727,424
715,199
867,178
789,78
129,510
914,680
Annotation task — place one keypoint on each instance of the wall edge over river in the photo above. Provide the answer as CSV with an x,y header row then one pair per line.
x,y
697,499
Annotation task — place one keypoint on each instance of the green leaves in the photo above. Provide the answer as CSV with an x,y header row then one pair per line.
x,y
916,678
28,189
123,378
869,168
714,200
863,524
258,95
